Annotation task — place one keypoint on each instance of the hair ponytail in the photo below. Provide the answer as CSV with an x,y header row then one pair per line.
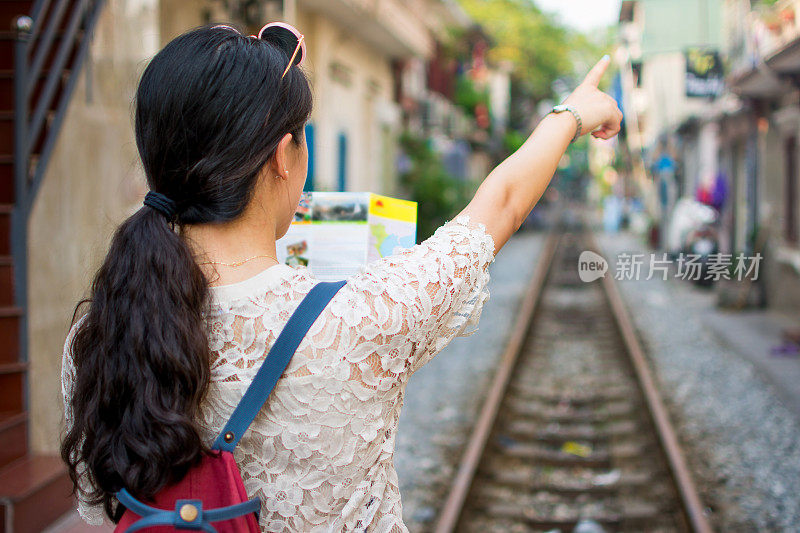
x,y
210,112
142,363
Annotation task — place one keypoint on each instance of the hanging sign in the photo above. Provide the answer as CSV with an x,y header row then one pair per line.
x,y
705,75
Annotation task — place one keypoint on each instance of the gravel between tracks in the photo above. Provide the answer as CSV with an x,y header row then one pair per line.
x,y
743,443
443,398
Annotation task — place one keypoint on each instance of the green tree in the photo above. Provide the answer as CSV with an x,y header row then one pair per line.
x,y
539,49
531,40
439,195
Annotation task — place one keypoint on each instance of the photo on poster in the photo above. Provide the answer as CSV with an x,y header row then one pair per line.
x,y
340,207
303,212
297,253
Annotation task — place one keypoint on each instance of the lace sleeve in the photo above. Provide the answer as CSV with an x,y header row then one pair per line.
x,y
92,514
428,294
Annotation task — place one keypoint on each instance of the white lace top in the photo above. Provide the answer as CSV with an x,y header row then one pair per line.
x,y
319,455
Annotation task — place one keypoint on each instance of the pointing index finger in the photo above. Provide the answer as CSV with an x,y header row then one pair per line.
x,y
596,74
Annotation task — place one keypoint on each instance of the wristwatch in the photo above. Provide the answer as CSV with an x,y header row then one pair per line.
x,y
561,108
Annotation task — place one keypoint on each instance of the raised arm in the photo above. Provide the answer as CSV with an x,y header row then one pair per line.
x,y
512,189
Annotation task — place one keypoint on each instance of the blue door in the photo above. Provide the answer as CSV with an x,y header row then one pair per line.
x,y
310,142
342,167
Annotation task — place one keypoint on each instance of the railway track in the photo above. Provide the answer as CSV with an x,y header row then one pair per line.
x,y
573,428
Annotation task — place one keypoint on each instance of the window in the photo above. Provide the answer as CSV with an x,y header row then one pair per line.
x,y
309,132
342,166
790,214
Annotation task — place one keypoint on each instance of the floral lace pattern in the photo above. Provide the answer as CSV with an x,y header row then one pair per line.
x,y
319,455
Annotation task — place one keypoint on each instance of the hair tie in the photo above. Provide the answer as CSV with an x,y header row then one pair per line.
x,y
161,203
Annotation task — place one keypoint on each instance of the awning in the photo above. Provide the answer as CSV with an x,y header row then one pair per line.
x,y
787,59
758,82
767,78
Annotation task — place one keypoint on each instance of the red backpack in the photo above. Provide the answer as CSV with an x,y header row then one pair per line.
x,y
213,491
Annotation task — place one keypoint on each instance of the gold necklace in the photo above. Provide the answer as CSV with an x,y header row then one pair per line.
x,y
238,263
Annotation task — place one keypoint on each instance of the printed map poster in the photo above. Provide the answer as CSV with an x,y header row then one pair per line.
x,y
392,226
335,234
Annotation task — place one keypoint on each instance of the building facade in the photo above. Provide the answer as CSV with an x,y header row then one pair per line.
x,y
765,76
744,136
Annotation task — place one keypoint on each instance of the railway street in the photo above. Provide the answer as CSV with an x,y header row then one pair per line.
x,y
400,266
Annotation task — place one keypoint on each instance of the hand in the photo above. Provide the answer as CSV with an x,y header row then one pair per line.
x,y
598,111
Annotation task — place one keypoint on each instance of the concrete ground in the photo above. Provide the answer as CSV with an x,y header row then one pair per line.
x,y
753,334
72,523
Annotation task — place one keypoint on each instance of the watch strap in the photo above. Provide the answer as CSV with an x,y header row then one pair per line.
x,y
579,129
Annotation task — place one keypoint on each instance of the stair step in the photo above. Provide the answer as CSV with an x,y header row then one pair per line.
x,y
14,436
12,386
9,333
6,179
13,368
7,88
34,492
6,280
5,228
9,37
7,133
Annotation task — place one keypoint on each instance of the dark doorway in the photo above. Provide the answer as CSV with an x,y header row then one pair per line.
x,y
790,221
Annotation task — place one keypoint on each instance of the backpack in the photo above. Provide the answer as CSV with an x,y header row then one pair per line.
x,y
213,490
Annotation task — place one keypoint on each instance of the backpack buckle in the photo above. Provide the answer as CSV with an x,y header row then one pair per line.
x,y
189,514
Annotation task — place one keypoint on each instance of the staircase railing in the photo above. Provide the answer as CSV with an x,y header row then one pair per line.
x,y
51,46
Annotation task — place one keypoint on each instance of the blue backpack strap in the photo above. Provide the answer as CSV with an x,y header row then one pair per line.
x,y
152,516
275,363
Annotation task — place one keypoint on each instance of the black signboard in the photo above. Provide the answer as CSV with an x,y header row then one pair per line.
x,y
705,75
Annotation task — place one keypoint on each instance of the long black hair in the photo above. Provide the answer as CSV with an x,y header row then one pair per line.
x,y
211,108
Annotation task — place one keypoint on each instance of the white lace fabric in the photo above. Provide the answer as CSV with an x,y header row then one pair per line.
x,y
319,454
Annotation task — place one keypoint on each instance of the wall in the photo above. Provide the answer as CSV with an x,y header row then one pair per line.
x,y
663,84
673,25
177,16
658,36
782,265
352,96
93,182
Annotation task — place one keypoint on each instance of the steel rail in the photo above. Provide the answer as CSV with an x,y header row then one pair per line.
x,y
684,482
451,512
679,471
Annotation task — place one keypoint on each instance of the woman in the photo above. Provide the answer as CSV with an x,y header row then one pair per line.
x,y
190,296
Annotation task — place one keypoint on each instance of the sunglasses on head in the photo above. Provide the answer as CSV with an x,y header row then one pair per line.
x,y
287,37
